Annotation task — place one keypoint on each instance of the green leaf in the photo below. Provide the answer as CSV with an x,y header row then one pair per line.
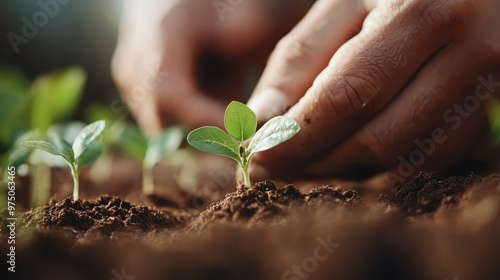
x,y
274,132
168,142
67,131
114,121
13,80
90,155
62,146
240,121
10,105
18,156
18,153
43,145
55,96
214,140
97,112
133,143
86,136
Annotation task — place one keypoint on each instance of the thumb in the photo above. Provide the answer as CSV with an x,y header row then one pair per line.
x,y
304,53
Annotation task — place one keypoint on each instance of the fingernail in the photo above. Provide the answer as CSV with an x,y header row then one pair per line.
x,y
258,173
269,103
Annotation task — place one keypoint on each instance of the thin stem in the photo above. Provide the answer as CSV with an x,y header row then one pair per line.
x,y
148,186
246,176
244,162
40,184
76,183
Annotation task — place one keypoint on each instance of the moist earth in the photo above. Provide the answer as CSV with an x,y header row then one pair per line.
x,y
432,227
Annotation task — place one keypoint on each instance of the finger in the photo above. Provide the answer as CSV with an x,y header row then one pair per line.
x,y
127,68
430,156
439,115
366,73
179,97
159,81
433,151
445,93
303,54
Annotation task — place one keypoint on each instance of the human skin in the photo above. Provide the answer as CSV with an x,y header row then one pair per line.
x,y
167,49
366,79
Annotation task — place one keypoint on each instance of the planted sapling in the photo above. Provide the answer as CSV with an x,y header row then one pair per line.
x,y
152,151
160,147
26,110
241,123
83,152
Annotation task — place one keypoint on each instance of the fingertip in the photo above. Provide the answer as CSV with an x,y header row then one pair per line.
x,y
269,103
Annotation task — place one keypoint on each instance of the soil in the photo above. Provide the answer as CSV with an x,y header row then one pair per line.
x,y
106,214
265,202
427,192
429,228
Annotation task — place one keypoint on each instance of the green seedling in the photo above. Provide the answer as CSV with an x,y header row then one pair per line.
x,y
150,152
115,125
83,152
28,107
51,98
241,123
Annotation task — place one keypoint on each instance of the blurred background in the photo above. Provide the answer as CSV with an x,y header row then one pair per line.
x,y
81,33
55,76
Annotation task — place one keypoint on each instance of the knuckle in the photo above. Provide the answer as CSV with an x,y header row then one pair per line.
x,y
441,14
349,96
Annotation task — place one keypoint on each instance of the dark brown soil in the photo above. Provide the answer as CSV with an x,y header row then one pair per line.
x,y
106,214
176,200
430,228
265,202
428,192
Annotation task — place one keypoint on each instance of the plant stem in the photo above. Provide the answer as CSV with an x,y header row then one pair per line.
x,y
244,162
148,186
40,184
76,183
246,176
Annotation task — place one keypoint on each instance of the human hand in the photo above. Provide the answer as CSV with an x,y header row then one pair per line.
x,y
183,60
405,88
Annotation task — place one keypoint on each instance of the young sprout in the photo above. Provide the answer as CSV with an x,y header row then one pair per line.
x,y
240,123
150,151
83,152
158,148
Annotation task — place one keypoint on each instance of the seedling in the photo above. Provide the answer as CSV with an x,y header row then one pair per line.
x,y
83,152
168,142
115,125
241,123
151,151
27,110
